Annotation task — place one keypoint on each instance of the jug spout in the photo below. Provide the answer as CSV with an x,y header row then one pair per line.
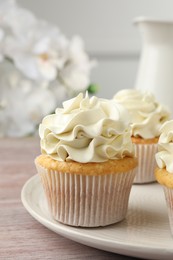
x,y
155,72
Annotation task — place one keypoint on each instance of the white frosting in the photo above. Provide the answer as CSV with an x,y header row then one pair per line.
x,y
164,157
147,115
87,130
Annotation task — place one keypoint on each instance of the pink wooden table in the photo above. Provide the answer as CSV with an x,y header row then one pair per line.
x,y
21,236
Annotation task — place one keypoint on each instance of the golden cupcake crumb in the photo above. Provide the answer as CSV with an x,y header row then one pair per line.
x,y
164,177
111,166
139,140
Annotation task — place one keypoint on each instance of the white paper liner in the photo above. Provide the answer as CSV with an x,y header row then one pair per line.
x,y
87,201
146,163
169,201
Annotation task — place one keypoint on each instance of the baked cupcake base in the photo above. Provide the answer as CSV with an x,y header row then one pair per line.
x,y
87,195
166,180
145,150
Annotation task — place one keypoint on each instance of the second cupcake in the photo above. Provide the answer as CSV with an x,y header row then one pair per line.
x,y
147,116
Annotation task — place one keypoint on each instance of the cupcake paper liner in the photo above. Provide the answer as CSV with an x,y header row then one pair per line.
x,y
144,172
87,201
169,201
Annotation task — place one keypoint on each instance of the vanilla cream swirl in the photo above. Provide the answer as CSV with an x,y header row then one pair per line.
x,y
87,130
164,157
147,115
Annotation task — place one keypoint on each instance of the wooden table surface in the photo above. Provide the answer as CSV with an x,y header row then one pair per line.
x,y
21,236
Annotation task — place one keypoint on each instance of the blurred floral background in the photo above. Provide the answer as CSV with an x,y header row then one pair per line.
x,y
39,68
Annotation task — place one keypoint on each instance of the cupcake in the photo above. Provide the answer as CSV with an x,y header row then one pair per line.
x,y
87,162
147,116
164,171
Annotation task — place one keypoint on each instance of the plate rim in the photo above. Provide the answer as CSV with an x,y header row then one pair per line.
x,y
69,232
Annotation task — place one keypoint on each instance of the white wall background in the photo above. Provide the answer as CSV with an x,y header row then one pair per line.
x,y
108,31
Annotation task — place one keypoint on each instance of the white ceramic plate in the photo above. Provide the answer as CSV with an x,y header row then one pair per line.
x,y
145,232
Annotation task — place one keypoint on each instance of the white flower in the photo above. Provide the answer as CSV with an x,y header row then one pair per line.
x,y
42,68
38,53
22,103
74,78
75,75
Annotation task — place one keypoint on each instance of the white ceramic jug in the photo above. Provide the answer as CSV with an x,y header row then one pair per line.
x,y
156,62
